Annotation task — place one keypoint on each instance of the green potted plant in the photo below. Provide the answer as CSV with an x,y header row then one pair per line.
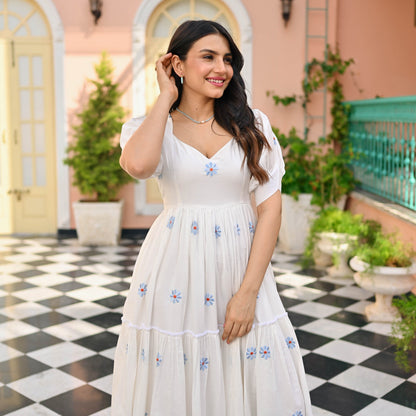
x,y
385,266
336,233
297,182
317,175
94,159
403,334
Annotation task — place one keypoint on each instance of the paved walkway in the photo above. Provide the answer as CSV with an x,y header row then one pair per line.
x,y
60,309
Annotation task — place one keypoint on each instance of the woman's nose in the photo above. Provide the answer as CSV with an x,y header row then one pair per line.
x,y
220,65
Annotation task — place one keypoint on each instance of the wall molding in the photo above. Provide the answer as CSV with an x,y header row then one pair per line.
x,y
62,171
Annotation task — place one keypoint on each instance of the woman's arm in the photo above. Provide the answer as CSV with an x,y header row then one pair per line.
x,y
240,309
141,153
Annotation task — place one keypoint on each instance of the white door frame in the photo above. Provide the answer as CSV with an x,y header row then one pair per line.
x,y
140,22
62,171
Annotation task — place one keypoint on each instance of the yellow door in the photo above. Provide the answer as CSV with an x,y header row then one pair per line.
x,y
27,160
33,181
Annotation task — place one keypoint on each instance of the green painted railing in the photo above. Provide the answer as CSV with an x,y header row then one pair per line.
x,y
382,132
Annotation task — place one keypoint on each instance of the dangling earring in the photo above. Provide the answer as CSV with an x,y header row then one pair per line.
x,y
182,80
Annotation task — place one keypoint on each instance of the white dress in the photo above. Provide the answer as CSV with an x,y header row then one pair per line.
x,y
170,359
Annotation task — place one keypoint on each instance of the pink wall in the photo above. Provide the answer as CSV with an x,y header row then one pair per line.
x,y
84,43
379,34
278,53
405,230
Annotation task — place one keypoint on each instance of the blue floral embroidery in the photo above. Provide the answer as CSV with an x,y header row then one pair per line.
x,y
265,352
142,289
171,222
251,353
237,229
291,343
209,299
194,228
298,413
251,227
217,231
142,354
175,296
158,360
274,140
185,359
203,364
211,169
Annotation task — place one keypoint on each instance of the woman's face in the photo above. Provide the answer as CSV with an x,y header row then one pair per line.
x,y
207,69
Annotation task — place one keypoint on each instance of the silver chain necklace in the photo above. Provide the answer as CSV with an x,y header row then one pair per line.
x,y
192,119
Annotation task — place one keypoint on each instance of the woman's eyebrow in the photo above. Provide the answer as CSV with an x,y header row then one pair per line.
x,y
213,52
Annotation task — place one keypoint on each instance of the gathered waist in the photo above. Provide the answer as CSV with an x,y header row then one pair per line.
x,y
237,205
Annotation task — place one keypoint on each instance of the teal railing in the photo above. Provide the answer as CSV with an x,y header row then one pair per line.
x,y
382,132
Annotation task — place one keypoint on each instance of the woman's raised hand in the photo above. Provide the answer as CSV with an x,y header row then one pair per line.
x,y
165,77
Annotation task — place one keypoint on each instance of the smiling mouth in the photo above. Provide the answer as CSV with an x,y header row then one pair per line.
x,y
214,81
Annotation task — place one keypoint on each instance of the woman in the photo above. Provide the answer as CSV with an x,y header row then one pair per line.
x,y
204,331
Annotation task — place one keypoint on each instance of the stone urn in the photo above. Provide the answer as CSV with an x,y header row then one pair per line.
x,y
98,223
339,247
385,282
321,259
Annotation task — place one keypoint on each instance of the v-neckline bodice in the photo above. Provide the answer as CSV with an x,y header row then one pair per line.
x,y
194,148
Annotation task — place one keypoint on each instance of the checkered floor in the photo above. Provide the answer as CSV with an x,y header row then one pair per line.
x,y
60,309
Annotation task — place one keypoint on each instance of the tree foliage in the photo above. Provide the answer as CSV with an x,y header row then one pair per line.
x,y
94,154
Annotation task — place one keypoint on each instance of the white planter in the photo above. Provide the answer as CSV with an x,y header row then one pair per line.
x,y
339,245
385,282
320,258
98,223
297,217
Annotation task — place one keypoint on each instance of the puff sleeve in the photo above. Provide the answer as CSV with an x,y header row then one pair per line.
x,y
271,160
127,130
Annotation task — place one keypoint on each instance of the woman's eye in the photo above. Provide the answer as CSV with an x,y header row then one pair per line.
x,y
228,61
208,57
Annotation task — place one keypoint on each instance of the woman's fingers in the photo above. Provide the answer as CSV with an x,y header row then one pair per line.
x,y
164,62
164,76
242,331
234,332
228,325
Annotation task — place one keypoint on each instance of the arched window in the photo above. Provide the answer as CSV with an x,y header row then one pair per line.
x,y
22,18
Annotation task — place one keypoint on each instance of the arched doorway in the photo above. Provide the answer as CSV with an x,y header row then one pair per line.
x,y
28,157
154,24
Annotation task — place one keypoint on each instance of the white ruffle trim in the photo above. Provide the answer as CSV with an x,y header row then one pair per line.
x,y
188,331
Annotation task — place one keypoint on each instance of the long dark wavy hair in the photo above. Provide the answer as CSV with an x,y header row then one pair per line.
x,y
231,110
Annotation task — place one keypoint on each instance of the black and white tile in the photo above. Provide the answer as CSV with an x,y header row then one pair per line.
x,y
60,310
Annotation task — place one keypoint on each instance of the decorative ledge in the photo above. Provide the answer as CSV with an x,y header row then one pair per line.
x,y
385,205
